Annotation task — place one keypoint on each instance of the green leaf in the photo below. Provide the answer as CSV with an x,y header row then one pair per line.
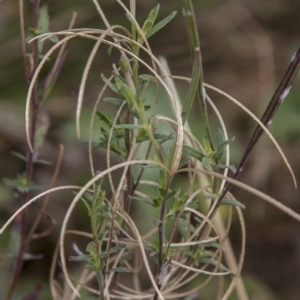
x,y
220,141
112,86
193,152
162,179
42,161
120,270
221,147
211,244
43,25
232,202
193,87
19,155
87,205
172,194
143,136
161,24
126,92
36,161
232,168
148,24
206,144
206,162
183,162
99,277
214,262
54,39
112,250
43,21
184,227
102,235
43,123
21,183
143,200
129,126
153,14
104,118
113,101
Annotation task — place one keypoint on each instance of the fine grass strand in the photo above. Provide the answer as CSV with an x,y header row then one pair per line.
x,y
236,280
250,189
84,78
31,86
8,222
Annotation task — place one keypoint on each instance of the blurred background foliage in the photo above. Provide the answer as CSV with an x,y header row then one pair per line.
x,y
246,46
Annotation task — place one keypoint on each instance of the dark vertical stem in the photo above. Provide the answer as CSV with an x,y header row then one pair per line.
x,y
161,233
30,156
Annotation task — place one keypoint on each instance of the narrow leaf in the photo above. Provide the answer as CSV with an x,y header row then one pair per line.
x,y
120,270
113,101
143,200
192,90
128,126
206,163
110,84
193,152
43,123
161,24
232,168
232,202
183,162
214,262
104,118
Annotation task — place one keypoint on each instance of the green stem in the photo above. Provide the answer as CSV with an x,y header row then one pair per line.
x,y
195,48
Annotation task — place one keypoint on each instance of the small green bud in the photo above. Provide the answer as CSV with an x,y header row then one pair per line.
x,y
125,64
126,92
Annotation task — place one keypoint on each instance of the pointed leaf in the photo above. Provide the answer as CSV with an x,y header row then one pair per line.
x,y
110,84
129,126
161,24
113,101
151,18
183,162
43,123
232,202
143,200
120,270
214,262
43,21
87,206
220,141
192,152
206,163
232,168
104,118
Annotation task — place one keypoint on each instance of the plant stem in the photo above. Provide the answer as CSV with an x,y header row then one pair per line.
x,y
30,155
189,13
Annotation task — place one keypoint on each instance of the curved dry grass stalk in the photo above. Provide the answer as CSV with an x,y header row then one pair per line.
x,y
23,207
31,86
251,190
85,75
